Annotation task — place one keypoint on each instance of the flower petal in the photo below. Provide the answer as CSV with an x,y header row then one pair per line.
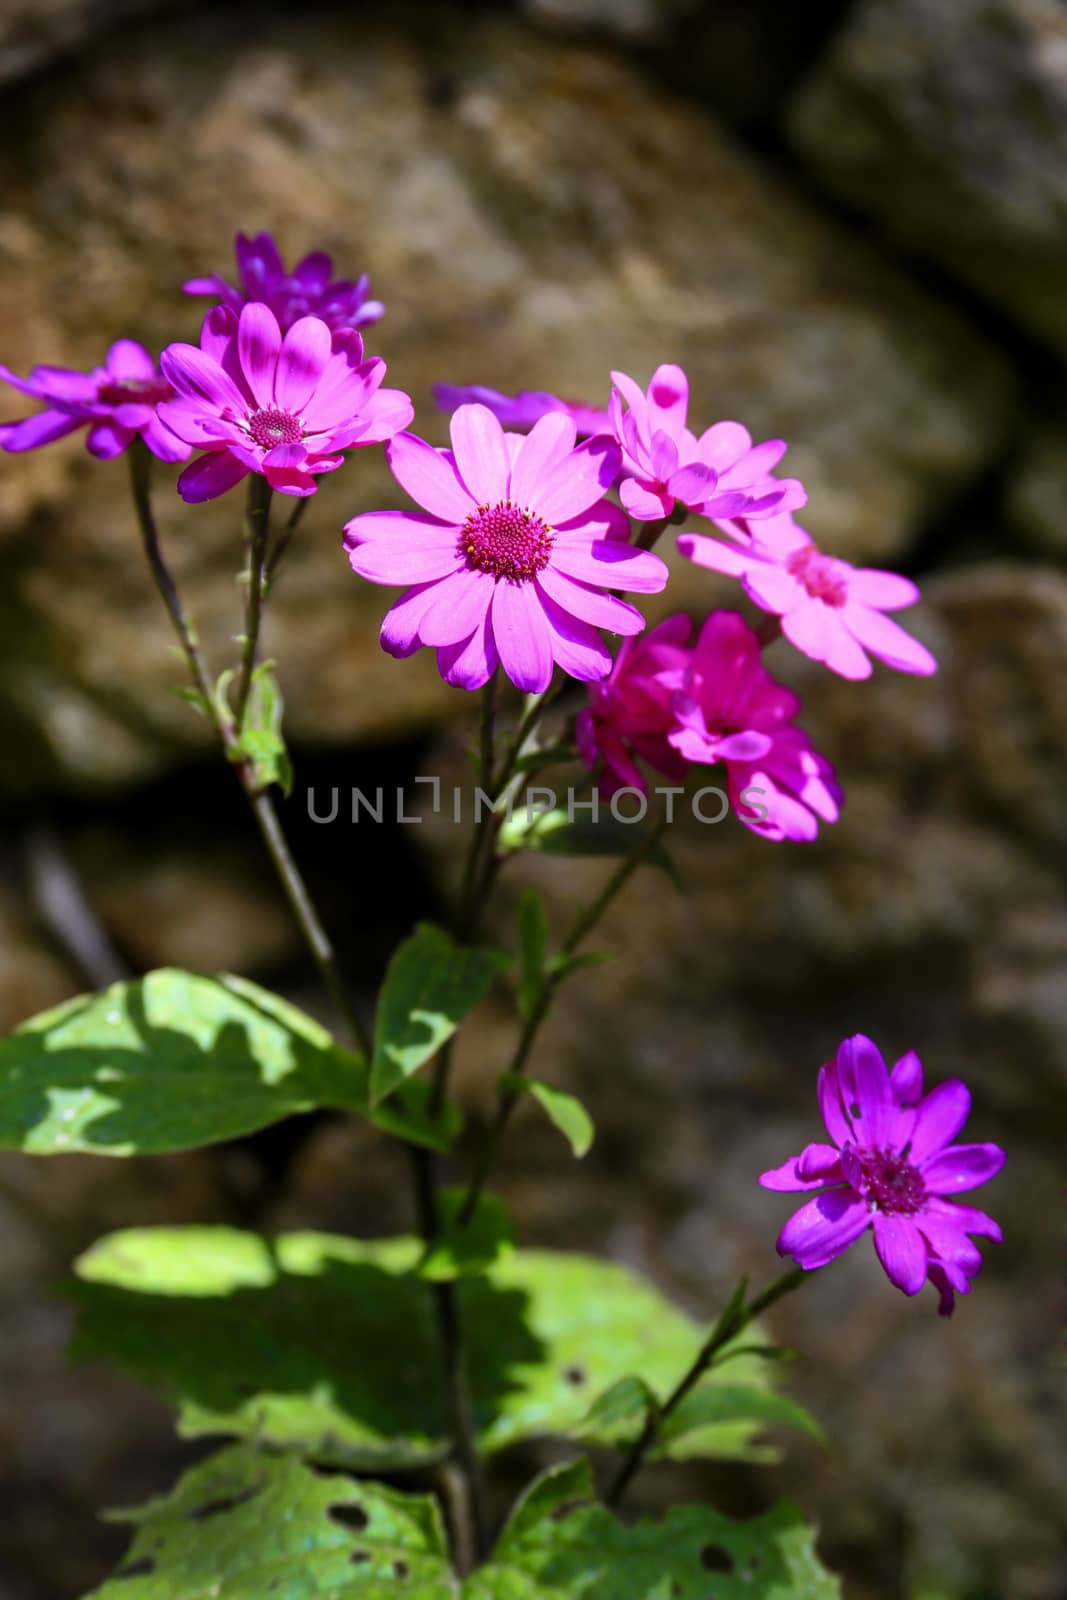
x,y
590,605
968,1219
164,445
522,636
830,1106
901,1250
668,399
938,1119
772,588
410,561
576,646
962,1166
480,453
610,564
458,607
643,501
37,430
813,1168
259,342
400,626
887,640
429,477
470,665
824,1228
865,1091
107,439
198,376
549,442
302,360
579,481
714,555
127,359
906,1079
881,591
209,476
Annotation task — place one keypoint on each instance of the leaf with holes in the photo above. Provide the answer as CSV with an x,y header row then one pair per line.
x,y
337,1346
175,1060
247,1525
561,1545
430,986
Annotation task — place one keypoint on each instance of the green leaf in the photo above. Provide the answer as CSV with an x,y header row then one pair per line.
x,y
564,1110
175,1060
619,1413
430,985
554,833
710,1405
261,742
533,946
247,1525
474,1246
560,1545
337,1347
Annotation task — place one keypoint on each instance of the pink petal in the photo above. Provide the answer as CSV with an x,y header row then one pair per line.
x,y
722,444
259,341
57,384
199,376
576,646
548,443
459,605
107,439
209,476
413,561
772,588
906,1079
128,359
634,396
383,415
844,656
643,501
947,1240
522,636
302,360
471,665
313,271
753,465
830,1106
967,1218
602,521
881,591
962,1166
938,1119
164,445
865,1091
428,477
692,485
714,555
400,626
408,527
668,399
888,641
480,453
901,1251
218,339
824,1228
590,605
816,1166
611,565
664,456
37,430
578,482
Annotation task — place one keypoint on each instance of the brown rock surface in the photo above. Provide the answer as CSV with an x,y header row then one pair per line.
x,y
532,212
946,121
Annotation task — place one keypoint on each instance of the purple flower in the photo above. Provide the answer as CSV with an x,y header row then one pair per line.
x,y
728,708
116,402
890,1167
522,410
721,474
309,290
284,407
830,610
630,713
511,557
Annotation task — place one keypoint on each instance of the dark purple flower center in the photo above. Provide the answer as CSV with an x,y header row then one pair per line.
x,y
823,577
271,426
893,1185
134,392
506,540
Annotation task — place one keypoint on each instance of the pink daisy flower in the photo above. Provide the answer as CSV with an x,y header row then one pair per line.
x,y
630,713
890,1167
116,402
720,474
730,709
522,410
512,555
831,611
309,290
283,407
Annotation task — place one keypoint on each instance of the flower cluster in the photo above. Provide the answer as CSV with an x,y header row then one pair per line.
x,y
890,1167
116,402
310,290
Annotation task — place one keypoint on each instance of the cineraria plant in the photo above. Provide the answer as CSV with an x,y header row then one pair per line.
x,y
363,1387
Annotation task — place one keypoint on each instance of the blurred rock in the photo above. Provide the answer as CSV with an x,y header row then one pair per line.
x,y
1038,496
34,32
33,973
946,121
533,214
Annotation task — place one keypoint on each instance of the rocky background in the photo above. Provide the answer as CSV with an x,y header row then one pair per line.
x,y
849,220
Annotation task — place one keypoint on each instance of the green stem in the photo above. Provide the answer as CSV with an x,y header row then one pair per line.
x,y
257,537
733,1321
509,1096
266,816
281,543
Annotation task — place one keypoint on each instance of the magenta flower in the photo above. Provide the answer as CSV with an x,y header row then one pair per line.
x,y
730,709
512,556
309,290
830,610
721,474
630,713
116,402
522,410
890,1167
283,407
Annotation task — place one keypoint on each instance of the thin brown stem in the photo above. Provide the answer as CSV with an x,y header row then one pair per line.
x,y
282,542
257,537
733,1321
